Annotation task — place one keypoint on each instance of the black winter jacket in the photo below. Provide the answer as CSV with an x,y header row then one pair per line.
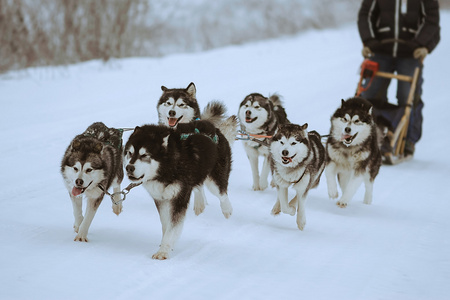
x,y
382,22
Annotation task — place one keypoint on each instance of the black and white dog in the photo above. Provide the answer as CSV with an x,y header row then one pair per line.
x,y
91,164
171,162
353,154
260,116
179,105
297,159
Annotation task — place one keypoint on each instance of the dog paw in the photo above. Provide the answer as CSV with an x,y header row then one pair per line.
x,y
227,209
161,255
255,187
198,209
341,204
81,238
117,209
263,184
301,224
333,193
289,210
276,209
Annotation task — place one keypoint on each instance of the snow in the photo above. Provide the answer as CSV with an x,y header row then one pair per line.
x,y
396,248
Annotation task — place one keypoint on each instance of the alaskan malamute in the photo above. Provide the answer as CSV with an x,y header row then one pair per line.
x,y
91,164
171,162
297,159
261,116
180,105
353,153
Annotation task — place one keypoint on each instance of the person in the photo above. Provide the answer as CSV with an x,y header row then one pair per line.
x,y
398,35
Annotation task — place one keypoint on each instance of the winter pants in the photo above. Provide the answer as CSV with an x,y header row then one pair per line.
x,y
379,87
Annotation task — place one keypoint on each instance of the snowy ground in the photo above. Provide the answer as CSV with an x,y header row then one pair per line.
x,y
396,248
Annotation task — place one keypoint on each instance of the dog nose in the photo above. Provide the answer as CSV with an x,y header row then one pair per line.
x,y
79,182
285,153
248,113
172,113
130,168
348,129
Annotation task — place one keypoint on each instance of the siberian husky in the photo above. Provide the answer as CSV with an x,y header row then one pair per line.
x,y
260,116
91,164
170,163
179,105
297,159
353,154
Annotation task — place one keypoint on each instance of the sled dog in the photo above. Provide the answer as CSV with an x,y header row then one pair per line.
x,y
170,163
297,159
180,105
353,154
259,115
91,165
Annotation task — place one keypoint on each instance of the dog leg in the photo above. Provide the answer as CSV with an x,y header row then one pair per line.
x,y
330,174
170,230
252,155
77,203
199,200
283,199
263,182
91,209
225,203
276,208
353,184
301,216
369,189
117,208
302,191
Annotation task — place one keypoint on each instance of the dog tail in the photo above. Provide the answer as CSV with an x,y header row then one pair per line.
x,y
215,113
280,112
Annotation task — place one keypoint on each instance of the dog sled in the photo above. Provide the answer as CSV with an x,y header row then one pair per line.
x,y
397,130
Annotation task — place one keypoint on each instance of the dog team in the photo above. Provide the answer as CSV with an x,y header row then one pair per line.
x,y
189,150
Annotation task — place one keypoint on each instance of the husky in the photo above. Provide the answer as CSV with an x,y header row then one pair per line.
x,y
91,165
260,116
170,163
353,153
297,159
179,105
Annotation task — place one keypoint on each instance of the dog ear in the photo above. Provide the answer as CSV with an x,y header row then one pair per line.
x,y
342,102
163,88
98,147
137,129
371,110
304,126
191,90
165,141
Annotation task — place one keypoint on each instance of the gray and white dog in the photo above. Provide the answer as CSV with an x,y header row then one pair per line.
x,y
353,154
91,165
179,106
297,159
259,115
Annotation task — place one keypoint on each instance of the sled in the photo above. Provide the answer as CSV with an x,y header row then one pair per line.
x,y
397,137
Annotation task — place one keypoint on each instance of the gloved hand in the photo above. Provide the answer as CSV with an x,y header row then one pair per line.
x,y
420,53
366,52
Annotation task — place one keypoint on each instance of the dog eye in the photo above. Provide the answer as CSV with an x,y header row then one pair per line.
x,y
144,155
344,120
181,105
257,107
281,143
293,143
88,170
168,103
357,122
75,169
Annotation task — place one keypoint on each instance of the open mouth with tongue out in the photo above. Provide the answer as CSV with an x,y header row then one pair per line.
x,y
286,159
132,178
348,139
173,121
250,120
77,191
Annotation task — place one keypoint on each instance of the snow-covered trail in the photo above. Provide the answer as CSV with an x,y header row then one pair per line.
x,y
396,248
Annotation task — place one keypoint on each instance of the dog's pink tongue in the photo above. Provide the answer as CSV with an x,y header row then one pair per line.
x,y
345,136
76,191
172,121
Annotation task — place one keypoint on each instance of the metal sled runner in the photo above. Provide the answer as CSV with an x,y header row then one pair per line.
x,y
397,138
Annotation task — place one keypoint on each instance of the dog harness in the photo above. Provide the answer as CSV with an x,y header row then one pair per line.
x,y
213,138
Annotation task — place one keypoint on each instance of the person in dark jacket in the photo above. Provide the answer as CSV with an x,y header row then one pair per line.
x,y
398,35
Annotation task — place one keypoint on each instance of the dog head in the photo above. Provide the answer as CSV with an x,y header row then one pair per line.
x,y
352,123
83,167
290,145
144,151
254,112
178,106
